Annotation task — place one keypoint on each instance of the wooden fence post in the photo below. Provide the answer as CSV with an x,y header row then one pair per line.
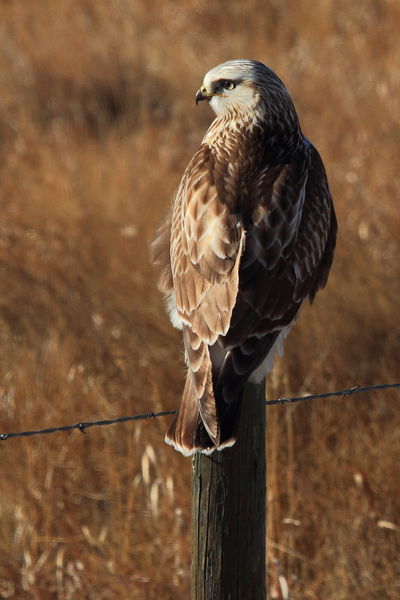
x,y
228,512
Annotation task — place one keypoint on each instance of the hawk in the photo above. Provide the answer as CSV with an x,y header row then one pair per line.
x,y
251,234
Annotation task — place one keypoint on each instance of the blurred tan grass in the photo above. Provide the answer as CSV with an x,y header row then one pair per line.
x,y
97,123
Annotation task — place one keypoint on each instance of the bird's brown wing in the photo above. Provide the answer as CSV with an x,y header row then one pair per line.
x,y
205,251
206,245
288,251
160,256
287,257
316,239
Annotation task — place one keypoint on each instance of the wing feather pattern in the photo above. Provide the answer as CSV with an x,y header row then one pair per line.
x,y
288,251
249,238
206,245
287,257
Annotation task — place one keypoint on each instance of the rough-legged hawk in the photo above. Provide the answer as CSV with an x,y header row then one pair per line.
x,y
251,235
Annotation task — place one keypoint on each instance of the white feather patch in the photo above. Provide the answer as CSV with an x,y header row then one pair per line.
x,y
172,310
190,451
266,366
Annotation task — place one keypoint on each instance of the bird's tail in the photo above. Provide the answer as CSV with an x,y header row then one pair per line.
x,y
197,426
187,433
190,431
239,365
208,416
208,423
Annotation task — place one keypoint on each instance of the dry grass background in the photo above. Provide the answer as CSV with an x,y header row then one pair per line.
x,y
97,122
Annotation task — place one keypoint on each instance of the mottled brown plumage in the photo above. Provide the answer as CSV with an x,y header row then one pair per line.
x,y
251,235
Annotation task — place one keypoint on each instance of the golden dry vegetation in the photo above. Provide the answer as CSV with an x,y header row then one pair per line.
x,y
97,122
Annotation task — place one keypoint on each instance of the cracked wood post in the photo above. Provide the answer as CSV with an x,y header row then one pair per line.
x,y
229,511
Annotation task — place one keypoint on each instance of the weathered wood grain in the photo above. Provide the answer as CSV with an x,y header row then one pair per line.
x,y
229,506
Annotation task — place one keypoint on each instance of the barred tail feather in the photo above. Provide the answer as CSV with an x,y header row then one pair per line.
x,y
197,427
208,417
193,429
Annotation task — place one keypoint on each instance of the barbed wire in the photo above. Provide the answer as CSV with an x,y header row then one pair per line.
x,y
341,393
83,425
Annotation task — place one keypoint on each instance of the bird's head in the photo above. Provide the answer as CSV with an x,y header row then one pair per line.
x,y
244,85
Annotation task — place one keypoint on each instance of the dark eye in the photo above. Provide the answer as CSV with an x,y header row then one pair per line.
x,y
228,84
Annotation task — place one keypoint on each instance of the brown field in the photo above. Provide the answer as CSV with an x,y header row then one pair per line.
x,y
97,122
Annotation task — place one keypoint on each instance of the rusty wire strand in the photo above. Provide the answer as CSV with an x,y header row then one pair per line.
x,y
83,425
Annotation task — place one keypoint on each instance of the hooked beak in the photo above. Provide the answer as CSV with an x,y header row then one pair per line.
x,y
202,94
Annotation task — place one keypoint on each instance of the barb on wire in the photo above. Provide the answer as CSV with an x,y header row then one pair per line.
x,y
341,393
83,425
